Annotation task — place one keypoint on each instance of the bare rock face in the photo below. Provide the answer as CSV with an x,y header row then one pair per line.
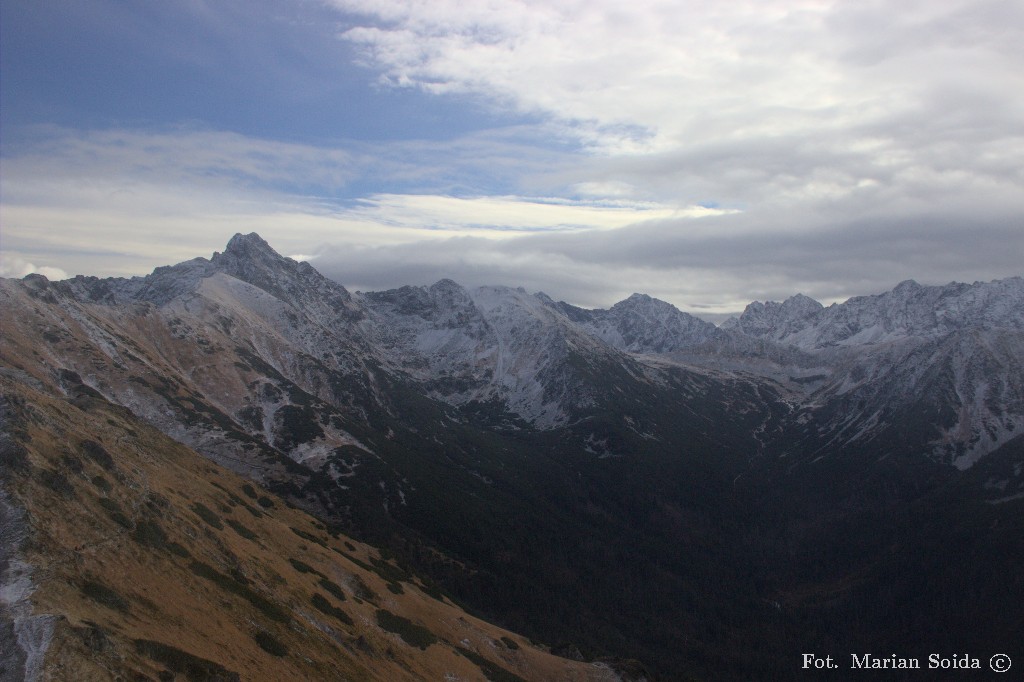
x,y
12,592
24,635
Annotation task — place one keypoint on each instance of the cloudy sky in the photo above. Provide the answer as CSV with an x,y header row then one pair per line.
x,y
708,153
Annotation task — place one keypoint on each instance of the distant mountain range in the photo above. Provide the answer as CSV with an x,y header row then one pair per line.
x,y
632,482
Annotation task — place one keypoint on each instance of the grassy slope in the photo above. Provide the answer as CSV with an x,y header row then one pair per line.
x,y
154,559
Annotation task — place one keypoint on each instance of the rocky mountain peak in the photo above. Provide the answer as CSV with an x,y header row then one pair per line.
x,y
446,284
776,320
637,299
545,299
248,244
801,304
443,300
907,286
249,258
451,293
643,324
248,253
908,310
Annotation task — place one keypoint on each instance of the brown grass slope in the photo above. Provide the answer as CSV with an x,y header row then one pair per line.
x,y
157,564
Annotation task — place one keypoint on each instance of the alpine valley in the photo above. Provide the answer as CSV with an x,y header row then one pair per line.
x,y
648,495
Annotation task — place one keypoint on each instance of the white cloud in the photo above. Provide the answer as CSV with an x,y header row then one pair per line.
x,y
712,265
852,86
180,154
13,265
123,202
849,145
500,216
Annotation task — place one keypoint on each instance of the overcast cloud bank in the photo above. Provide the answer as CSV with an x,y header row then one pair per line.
x,y
708,154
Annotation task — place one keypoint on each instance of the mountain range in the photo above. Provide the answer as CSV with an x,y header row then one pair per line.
x,y
632,483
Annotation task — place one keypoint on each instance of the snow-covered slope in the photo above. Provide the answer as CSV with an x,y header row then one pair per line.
x,y
941,362
288,361
909,310
641,324
490,343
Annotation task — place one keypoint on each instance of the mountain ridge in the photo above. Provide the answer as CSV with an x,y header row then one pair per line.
x,y
909,309
526,352
510,446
